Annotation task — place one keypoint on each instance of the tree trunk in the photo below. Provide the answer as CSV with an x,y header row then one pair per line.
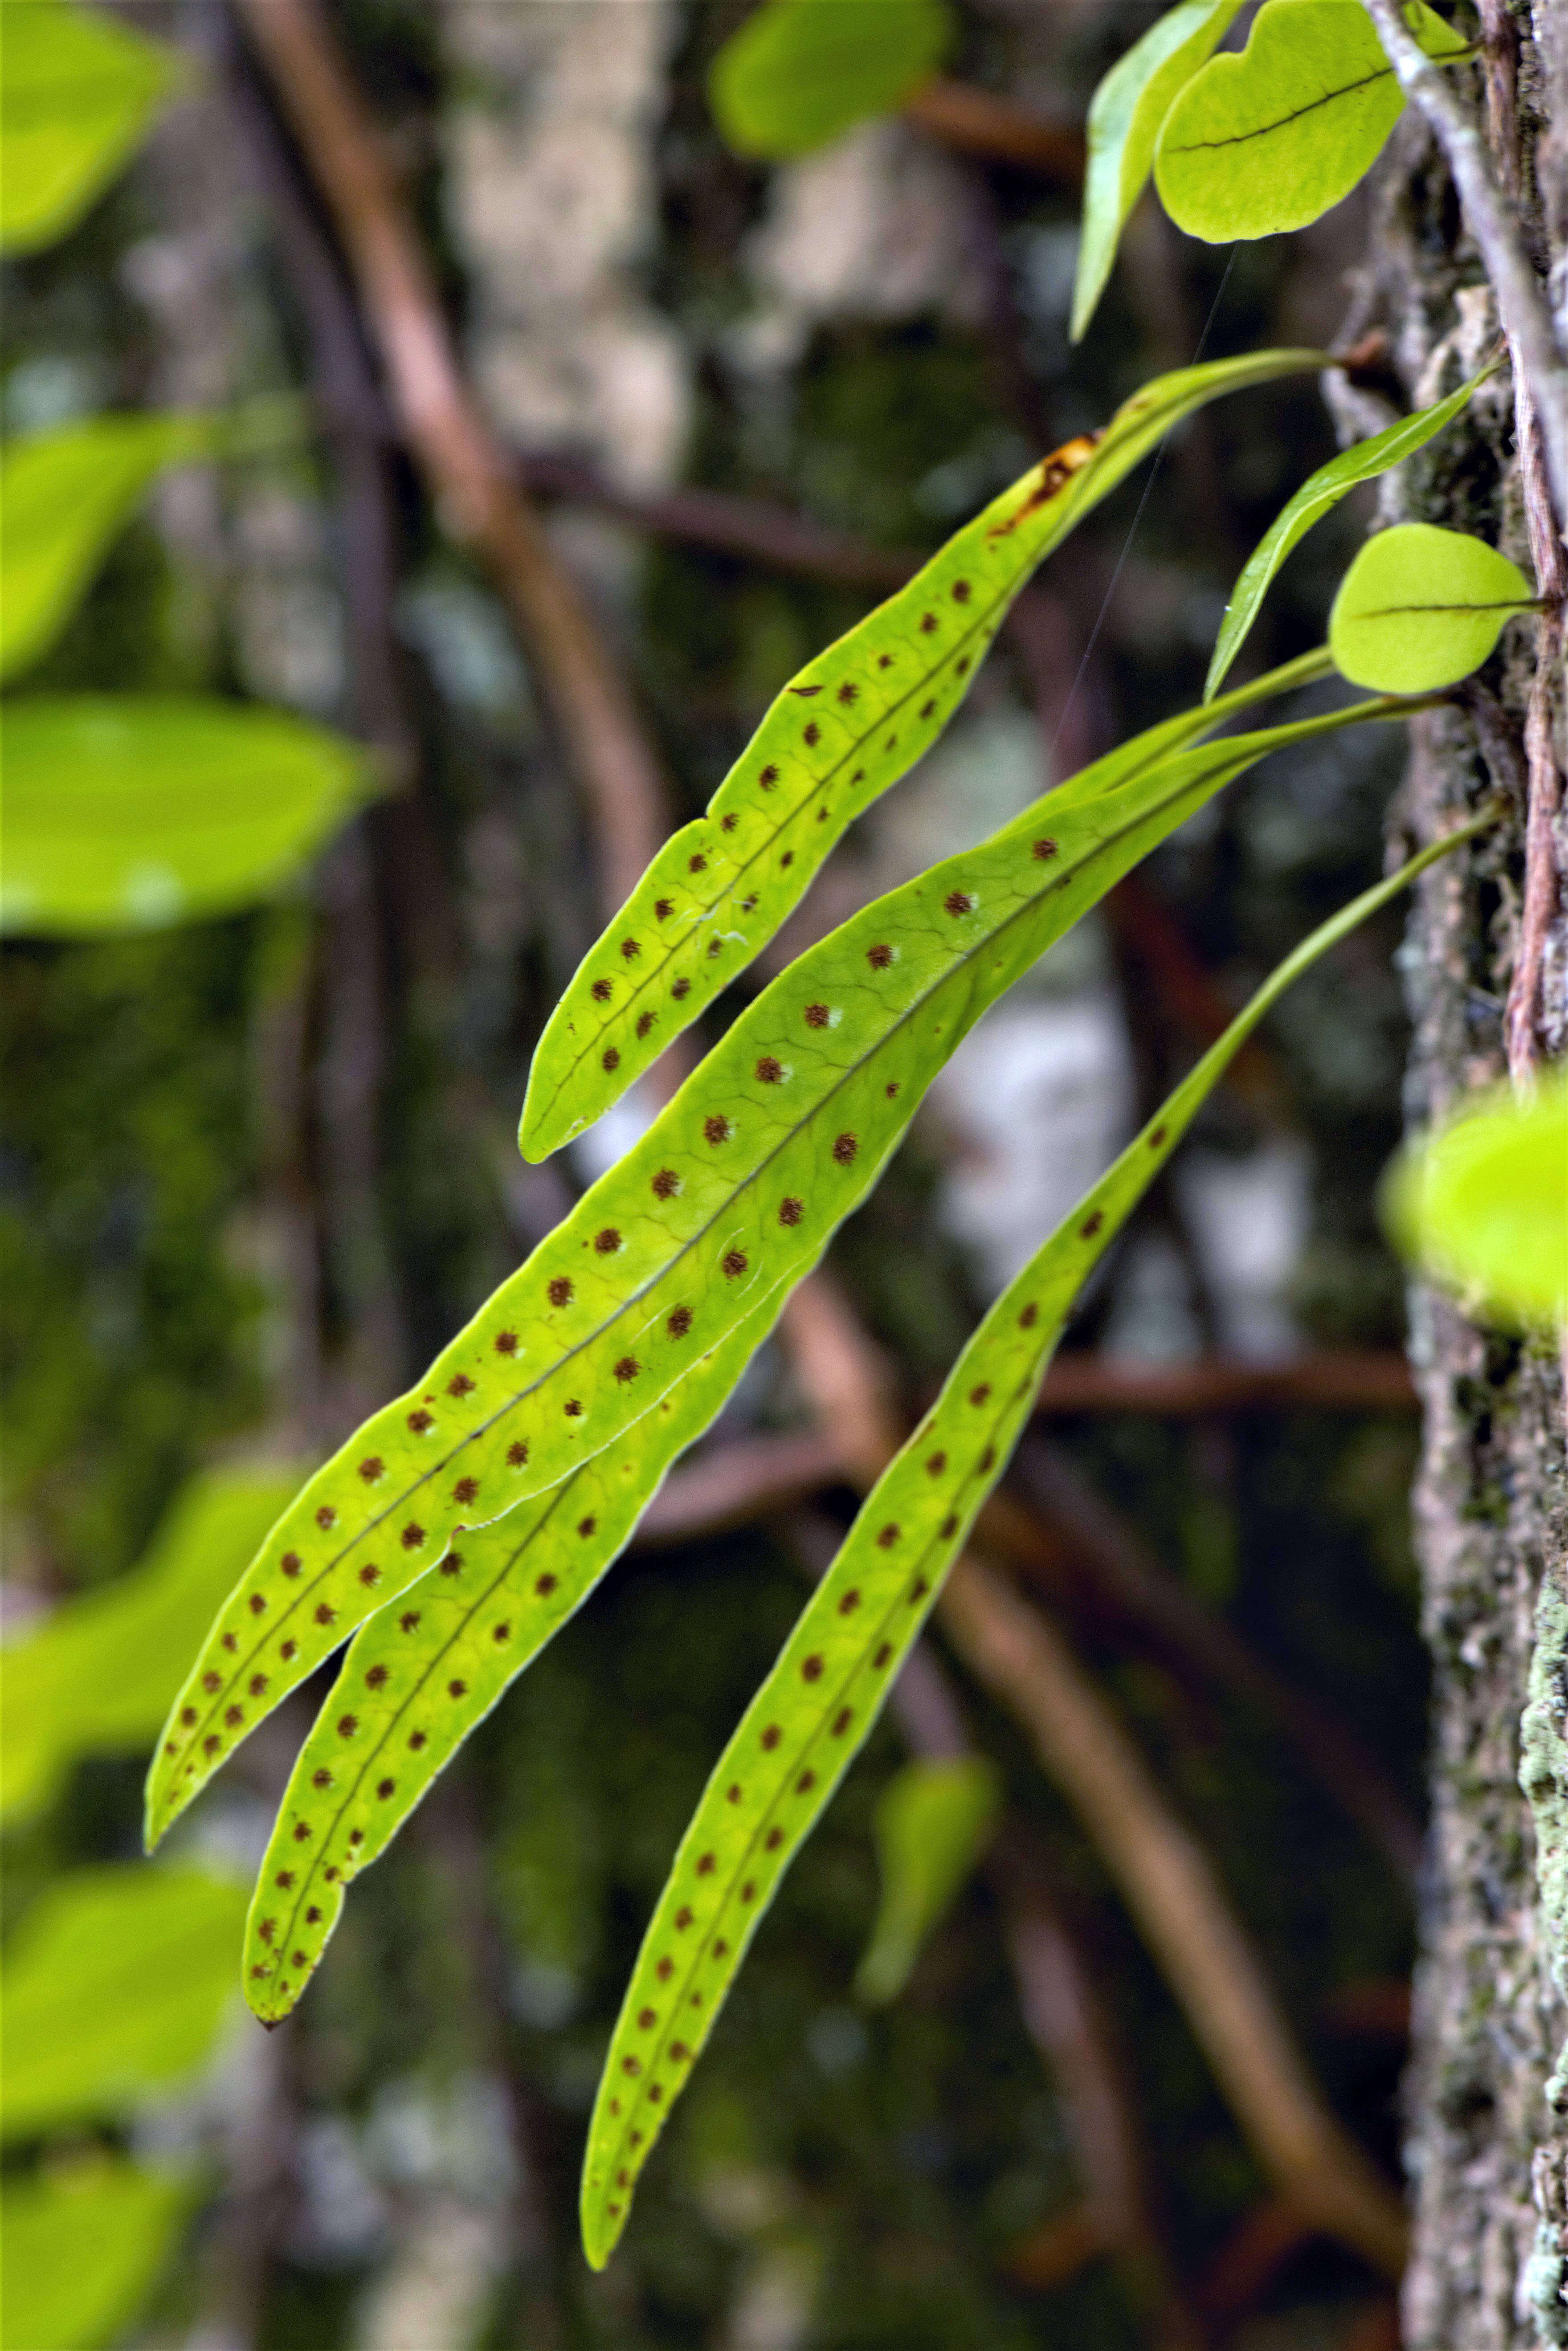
x,y
1487,2124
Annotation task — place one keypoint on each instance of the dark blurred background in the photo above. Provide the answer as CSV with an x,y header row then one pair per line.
x,y
257,1168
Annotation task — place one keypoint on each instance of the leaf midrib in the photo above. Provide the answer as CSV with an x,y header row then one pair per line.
x,y
555,1498
875,1630
1265,129
765,848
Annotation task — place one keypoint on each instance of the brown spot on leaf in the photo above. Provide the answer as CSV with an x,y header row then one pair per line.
x,y
844,1149
680,1322
717,1130
733,1263
769,1070
506,1342
789,1211
606,1241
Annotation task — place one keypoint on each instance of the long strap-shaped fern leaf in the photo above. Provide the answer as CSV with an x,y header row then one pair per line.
x,y
853,721
734,1189
818,1705
422,1674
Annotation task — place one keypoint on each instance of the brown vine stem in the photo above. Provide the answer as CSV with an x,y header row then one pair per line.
x,y
1537,363
1543,876
468,472
974,122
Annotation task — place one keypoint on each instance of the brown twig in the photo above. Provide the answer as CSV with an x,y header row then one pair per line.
x,y
1168,1885
1156,1604
1542,902
974,121
730,1484
1539,366
750,528
1349,1379
474,485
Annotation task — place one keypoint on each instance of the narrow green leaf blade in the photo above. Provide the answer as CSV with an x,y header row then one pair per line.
x,y
65,494
97,1677
77,93
1483,1205
133,811
934,1819
817,1707
115,1984
733,1192
800,72
82,2246
1420,608
853,721
1316,495
1124,118
421,1676
1269,139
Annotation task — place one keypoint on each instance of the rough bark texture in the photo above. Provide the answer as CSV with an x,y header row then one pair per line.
x,y
1488,2148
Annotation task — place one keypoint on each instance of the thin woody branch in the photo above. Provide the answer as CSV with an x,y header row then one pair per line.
x,y
470,477
1526,321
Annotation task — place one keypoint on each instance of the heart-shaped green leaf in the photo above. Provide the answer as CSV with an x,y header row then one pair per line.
x,y
79,92
1312,502
853,721
1483,1205
1269,139
65,494
126,812
733,1192
1124,118
424,1674
933,1820
817,1707
1420,608
800,72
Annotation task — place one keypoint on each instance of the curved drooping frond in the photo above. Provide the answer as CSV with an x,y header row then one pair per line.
x,y
420,1676
735,1190
853,721
817,1707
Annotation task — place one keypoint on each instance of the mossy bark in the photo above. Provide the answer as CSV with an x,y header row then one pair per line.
x,y
1486,2123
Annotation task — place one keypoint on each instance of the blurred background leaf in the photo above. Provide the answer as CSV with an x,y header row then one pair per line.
x,y
64,496
80,2246
129,813
1482,1205
79,89
97,1677
800,72
934,1820
114,1985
